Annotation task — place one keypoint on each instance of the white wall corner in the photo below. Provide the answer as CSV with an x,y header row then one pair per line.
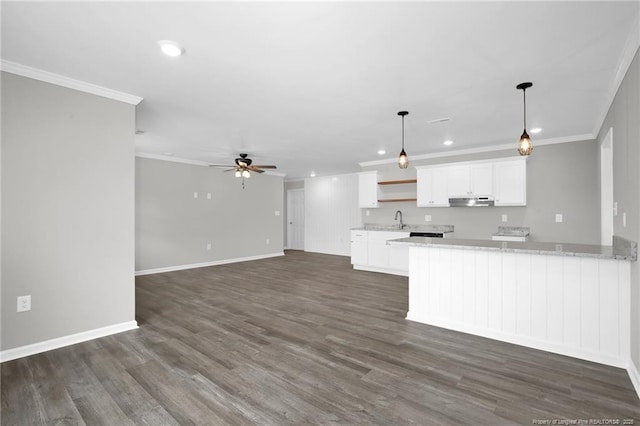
x,y
632,370
60,80
629,52
59,342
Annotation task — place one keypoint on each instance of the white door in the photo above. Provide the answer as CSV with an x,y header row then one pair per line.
x,y
606,191
295,219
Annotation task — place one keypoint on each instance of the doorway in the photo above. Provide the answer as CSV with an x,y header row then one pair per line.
x,y
606,189
295,219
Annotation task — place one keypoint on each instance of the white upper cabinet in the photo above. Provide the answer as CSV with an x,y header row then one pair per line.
x,y
510,182
471,179
368,190
432,187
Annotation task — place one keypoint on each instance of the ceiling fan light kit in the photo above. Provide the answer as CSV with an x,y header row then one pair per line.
x,y
243,167
403,158
525,146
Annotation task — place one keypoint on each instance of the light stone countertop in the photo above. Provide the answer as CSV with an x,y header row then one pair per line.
x,y
622,249
407,228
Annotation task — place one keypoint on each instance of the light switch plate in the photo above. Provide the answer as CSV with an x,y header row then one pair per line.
x,y
208,195
624,219
195,195
558,217
427,218
367,213
504,217
277,213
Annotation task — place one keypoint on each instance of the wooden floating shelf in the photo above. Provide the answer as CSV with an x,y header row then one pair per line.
x,y
397,200
397,182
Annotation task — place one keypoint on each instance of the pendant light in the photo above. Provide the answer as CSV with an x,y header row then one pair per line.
x,y
403,158
525,147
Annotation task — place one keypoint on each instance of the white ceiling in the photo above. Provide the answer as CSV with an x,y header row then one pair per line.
x,y
315,86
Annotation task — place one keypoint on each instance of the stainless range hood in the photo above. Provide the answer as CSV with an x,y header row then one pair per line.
x,y
485,201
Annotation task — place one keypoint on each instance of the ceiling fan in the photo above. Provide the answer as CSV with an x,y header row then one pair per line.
x,y
243,167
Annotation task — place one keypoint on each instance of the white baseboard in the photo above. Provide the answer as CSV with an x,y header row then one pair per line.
x,y
634,376
59,342
381,270
205,264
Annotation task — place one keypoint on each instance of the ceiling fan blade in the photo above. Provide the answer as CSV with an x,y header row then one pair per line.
x,y
230,170
254,169
220,165
266,167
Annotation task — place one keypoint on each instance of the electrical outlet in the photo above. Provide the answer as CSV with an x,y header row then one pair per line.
x,y
427,218
195,195
208,195
268,241
558,217
24,303
367,213
208,246
504,217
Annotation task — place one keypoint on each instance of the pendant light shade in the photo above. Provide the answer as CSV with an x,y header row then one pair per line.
x,y
403,158
525,147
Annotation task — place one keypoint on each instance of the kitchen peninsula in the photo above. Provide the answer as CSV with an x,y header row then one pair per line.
x,y
571,299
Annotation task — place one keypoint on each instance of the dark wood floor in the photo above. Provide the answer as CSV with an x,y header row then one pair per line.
x,y
300,339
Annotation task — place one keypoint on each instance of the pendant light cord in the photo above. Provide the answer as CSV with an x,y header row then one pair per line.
x,y
524,98
403,132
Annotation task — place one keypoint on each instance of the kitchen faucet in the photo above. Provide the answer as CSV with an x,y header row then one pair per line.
x,y
396,218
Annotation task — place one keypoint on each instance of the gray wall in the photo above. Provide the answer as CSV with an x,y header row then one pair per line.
x,y
67,211
624,118
561,178
173,228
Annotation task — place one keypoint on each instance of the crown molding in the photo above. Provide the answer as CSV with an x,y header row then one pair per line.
x,y
631,47
171,159
60,80
503,147
192,162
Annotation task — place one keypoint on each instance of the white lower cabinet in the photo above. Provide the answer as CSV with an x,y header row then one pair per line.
x,y
359,249
370,252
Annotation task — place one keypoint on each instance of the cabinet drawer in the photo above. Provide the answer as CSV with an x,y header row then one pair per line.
x,y
359,236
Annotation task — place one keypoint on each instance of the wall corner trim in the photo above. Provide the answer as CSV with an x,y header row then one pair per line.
x,y
205,264
60,80
634,375
59,342
629,52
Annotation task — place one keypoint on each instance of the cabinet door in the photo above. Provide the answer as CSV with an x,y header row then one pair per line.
x,y
368,190
481,179
378,253
432,187
359,248
399,258
458,181
439,193
510,183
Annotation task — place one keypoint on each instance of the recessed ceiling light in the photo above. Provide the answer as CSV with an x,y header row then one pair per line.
x,y
381,152
168,153
170,48
535,130
448,142
313,174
